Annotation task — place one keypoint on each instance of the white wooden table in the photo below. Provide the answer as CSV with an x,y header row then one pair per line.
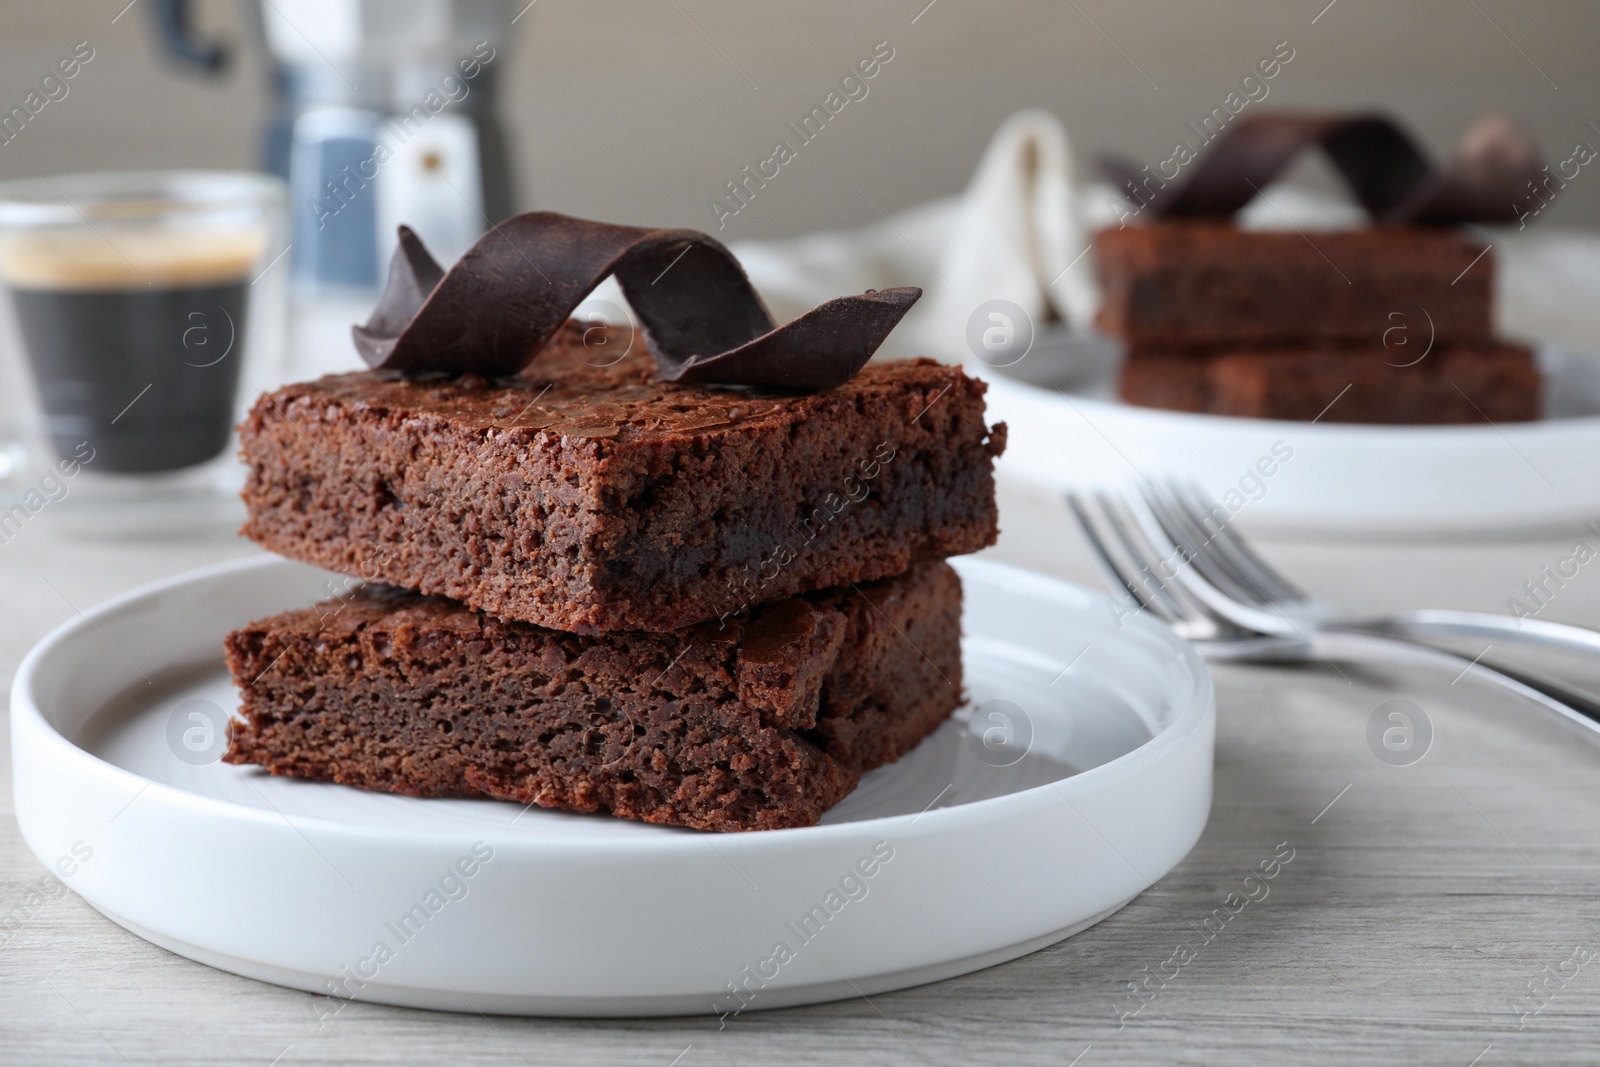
x,y
1421,906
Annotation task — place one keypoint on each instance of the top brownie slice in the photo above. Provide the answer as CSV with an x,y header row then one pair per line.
x,y
587,495
1178,285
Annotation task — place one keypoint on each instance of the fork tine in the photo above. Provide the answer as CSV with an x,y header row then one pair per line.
x,y
1125,580
1218,558
1150,555
1193,539
1228,612
1267,585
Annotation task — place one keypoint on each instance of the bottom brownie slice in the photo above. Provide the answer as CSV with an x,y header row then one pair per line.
x,y
1457,384
763,721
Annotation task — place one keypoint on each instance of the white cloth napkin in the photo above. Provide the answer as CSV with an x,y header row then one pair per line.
x,y
1016,234
1020,233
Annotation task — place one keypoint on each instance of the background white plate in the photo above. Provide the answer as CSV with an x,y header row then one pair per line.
x,y
1425,481
298,882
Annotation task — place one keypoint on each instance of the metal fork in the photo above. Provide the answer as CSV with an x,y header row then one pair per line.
x,y
1166,553
1229,563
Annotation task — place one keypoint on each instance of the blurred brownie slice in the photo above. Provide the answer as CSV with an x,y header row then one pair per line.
x,y
587,495
1494,382
1181,285
762,721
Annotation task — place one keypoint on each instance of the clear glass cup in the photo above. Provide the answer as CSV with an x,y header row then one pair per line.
x,y
141,310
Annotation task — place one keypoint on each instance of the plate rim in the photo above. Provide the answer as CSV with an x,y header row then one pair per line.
x,y
1198,707
1587,424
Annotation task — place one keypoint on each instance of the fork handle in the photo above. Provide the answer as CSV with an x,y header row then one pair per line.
x,y
1438,623
1572,704
1575,699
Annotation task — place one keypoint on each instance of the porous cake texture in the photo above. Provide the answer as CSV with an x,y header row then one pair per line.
x,y
587,495
1492,383
762,720
1199,285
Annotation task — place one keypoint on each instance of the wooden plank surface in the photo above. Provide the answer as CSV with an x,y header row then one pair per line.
x,y
1420,906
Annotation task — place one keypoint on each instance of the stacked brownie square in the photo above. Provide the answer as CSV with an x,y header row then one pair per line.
x,y
1387,324
594,590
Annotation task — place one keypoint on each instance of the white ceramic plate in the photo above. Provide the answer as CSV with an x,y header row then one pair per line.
x,y
1425,481
481,905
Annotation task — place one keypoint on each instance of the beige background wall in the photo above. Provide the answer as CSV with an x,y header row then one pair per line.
x,y
638,110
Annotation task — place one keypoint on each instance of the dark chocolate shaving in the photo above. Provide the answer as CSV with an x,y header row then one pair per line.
x,y
413,274
1388,174
493,311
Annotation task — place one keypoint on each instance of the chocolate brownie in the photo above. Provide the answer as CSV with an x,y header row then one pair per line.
x,y
762,721
1495,383
1202,284
591,497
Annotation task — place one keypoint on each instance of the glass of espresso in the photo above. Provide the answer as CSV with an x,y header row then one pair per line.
x,y
140,306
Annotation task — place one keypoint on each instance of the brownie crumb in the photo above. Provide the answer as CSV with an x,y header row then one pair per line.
x,y
761,721
587,495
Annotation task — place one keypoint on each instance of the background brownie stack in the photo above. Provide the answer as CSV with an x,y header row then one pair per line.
x,y
1381,325
604,592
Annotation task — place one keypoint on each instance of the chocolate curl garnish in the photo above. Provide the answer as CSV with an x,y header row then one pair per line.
x,y
493,311
413,274
1387,173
